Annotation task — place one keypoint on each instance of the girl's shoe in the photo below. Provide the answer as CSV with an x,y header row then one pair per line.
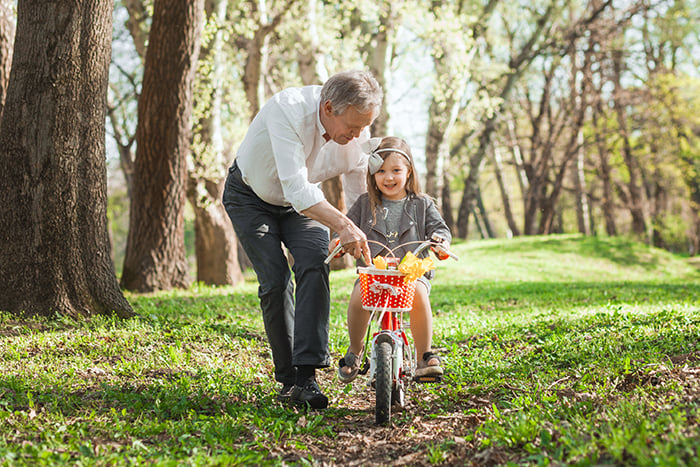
x,y
429,365
349,367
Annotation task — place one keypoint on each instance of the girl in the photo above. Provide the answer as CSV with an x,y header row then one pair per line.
x,y
394,212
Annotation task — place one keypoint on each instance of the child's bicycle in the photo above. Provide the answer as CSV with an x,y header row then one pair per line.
x,y
392,361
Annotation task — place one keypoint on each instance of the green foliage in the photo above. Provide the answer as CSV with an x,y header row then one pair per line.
x,y
558,350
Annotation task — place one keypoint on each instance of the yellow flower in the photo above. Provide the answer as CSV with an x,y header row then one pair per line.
x,y
379,262
414,267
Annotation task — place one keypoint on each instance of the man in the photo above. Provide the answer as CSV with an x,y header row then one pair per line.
x,y
301,137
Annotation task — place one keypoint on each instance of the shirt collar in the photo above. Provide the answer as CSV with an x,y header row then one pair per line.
x,y
322,131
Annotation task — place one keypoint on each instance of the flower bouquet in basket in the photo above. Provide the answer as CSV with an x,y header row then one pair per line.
x,y
391,286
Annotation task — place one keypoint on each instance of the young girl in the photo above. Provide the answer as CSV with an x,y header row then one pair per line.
x,y
394,212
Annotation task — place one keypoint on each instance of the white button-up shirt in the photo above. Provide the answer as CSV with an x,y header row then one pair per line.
x,y
284,157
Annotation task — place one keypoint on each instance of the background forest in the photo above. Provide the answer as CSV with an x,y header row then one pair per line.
x,y
526,118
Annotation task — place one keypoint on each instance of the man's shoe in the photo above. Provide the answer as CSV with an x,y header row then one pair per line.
x,y
309,395
285,393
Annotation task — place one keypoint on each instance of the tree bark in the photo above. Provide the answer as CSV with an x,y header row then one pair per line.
x,y
216,245
137,24
7,37
636,202
447,203
155,251
55,255
505,195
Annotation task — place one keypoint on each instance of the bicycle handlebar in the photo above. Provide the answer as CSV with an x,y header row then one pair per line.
x,y
423,245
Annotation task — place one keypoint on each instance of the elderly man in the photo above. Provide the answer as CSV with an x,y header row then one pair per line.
x,y
301,137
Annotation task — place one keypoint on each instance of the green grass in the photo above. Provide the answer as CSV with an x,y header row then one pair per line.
x,y
558,350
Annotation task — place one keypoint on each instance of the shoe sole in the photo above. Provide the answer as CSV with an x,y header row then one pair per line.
x,y
315,403
429,371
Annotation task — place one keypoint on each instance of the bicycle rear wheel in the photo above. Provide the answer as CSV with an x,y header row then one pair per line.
x,y
384,381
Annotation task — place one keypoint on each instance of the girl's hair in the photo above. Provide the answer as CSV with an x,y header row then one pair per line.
x,y
412,183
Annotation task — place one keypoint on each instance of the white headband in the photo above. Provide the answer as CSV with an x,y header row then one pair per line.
x,y
375,161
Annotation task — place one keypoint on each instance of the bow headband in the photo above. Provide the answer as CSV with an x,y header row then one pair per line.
x,y
375,161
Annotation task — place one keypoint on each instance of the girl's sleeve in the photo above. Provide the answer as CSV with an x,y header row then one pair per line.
x,y
435,224
355,211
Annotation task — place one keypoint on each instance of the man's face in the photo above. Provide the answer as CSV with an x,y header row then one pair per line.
x,y
347,126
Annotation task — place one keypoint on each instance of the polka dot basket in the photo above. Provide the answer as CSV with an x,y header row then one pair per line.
x,y
382,287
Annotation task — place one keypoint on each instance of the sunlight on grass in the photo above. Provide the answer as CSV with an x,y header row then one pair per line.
x,y
558,350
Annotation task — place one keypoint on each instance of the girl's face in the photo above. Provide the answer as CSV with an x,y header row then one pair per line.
x,y
392,176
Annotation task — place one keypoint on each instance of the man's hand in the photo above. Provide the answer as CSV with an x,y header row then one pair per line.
x,y
354,242
353,239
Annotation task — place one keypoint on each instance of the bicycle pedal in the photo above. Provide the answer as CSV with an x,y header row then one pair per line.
x,y
428,379
365,368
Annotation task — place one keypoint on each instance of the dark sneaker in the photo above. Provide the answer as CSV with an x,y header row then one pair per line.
x,y
310,395
285,393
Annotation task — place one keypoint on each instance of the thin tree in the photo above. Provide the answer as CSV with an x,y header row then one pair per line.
x,y
7,36
55,255
155,251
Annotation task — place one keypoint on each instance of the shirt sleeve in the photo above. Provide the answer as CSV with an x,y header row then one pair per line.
x,y
290,160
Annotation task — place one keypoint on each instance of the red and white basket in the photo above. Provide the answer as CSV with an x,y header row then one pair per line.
x,y
382,287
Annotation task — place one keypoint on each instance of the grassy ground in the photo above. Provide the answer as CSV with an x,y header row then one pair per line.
x,y
559,350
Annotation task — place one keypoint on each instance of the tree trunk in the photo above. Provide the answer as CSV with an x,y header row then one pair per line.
x,y
505,195
582,211
447,203
155,250
7,37
216,245
137,24
377,56
55,255
483,214
466,205
635,205
604,170
309,58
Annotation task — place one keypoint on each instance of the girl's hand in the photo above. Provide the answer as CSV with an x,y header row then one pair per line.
x,y
441,248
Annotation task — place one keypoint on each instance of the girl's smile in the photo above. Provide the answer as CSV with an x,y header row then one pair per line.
x,y
392,176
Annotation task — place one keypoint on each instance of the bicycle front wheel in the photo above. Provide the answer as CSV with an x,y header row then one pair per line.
x,y
384,381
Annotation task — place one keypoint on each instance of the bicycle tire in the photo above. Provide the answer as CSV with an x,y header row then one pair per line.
x,y
384,382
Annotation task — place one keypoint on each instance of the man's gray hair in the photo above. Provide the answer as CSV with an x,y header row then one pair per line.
x,y
356,88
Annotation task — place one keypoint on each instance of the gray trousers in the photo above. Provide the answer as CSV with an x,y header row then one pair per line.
x,y
297,332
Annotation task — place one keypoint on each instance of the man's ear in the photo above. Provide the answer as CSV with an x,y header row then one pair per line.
x,y
328,108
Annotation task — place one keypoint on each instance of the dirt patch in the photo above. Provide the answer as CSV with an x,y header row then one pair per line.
x,y
423,433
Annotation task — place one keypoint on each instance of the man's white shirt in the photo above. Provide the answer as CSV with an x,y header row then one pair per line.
x,y
284,157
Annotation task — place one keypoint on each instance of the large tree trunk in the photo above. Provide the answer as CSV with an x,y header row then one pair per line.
x,y
216,245
7,36
55,255
155,250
